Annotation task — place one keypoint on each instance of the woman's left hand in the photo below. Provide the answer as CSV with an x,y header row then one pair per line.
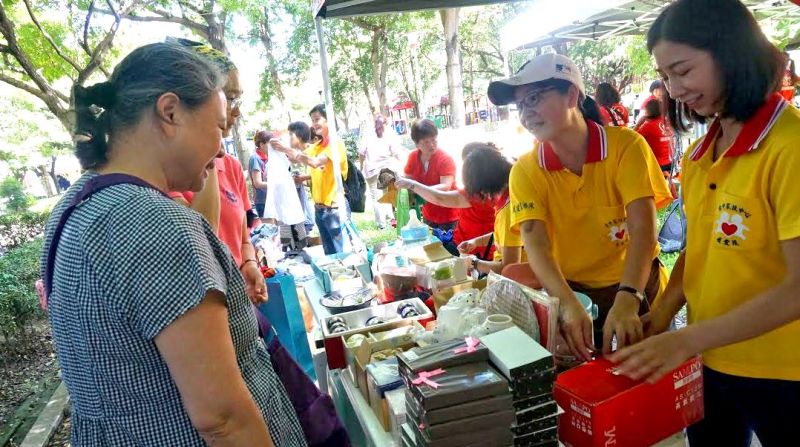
x,y
654,357
254,283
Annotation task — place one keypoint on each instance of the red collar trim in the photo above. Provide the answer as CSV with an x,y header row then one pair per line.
x,y
502,201
219,163
753,131
325,142
598,149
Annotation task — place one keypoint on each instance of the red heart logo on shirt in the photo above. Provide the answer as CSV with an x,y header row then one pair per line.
x,y
729,229
620,234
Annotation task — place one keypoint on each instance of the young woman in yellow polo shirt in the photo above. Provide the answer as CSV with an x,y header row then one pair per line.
x,y
740,272
585,201
485,176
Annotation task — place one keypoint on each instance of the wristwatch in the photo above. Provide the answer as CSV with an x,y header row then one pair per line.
x,y
475,262
633,291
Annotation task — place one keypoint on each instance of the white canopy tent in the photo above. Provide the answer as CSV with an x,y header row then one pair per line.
x,y
635,17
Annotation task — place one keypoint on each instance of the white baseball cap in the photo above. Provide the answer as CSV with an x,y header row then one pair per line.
x,y
540,68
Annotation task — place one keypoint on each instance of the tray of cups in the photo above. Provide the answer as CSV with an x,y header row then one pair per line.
x,y
375,318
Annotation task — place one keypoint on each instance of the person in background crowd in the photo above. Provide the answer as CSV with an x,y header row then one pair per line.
x,y
476,211
257,169
657,93
319,157
611,108
485,177
790,79
283,205
656,131
585,202
155,335
740,271
378,152
300,139
63,183
431,166
224,200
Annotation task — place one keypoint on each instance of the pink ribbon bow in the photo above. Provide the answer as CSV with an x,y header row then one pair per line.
x,y
472,343
424,377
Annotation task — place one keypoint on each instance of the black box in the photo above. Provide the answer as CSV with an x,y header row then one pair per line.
x,y
498,437
536,412
459,384
528,402
539,384
439,355
542,438
536,425
466,425
456,412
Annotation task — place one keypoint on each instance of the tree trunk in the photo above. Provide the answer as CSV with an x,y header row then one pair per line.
x,y
44,177
415,85
265,33
365,89
380,66
237,143
455,87
53,174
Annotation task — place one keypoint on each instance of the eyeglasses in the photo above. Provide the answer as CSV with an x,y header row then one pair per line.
x,y
234,103
533,99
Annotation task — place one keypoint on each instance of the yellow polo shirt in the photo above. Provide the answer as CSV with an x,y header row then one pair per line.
x,y
585,215
505,235
323,184
738,210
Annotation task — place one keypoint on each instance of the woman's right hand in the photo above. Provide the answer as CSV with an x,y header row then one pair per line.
x,y
404,183
576,326
467,247
278,146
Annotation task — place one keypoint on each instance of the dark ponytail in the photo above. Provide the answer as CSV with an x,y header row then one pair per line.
x,y
104,109
92,122
589,109
586,104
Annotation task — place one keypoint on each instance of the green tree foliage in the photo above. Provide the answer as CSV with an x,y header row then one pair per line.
x,y
16,199
42,43
618,60
19,270
287,60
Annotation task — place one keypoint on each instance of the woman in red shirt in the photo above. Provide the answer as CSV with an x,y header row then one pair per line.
x,y
431,166
658,134
611,108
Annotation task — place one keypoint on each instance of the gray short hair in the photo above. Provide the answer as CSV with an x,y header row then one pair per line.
x,y
137,82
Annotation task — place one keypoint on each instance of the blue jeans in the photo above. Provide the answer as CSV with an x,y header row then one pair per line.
x,y
735,407
330,229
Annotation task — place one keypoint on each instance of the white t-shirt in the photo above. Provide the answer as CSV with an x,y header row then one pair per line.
x,y
282,203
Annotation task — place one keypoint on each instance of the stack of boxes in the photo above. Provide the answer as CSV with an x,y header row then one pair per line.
x,y
530,371
454,397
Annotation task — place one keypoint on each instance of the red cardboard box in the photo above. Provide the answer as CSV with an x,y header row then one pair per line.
x,y
603,409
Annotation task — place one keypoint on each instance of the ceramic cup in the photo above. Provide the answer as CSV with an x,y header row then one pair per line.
x,y
497,322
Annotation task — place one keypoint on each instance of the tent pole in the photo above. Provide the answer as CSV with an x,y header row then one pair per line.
x,y
332,133
323,61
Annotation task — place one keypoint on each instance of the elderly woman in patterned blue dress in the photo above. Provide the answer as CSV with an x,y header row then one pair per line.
x,y
155,335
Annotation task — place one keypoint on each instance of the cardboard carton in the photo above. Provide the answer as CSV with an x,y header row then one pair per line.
x,y
603,408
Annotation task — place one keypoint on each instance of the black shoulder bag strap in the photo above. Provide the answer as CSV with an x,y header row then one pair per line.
x,y
95,184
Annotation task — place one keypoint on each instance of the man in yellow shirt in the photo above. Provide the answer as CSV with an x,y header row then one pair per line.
x,y
319,157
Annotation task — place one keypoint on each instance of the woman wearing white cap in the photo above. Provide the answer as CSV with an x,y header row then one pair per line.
x,y
585,201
